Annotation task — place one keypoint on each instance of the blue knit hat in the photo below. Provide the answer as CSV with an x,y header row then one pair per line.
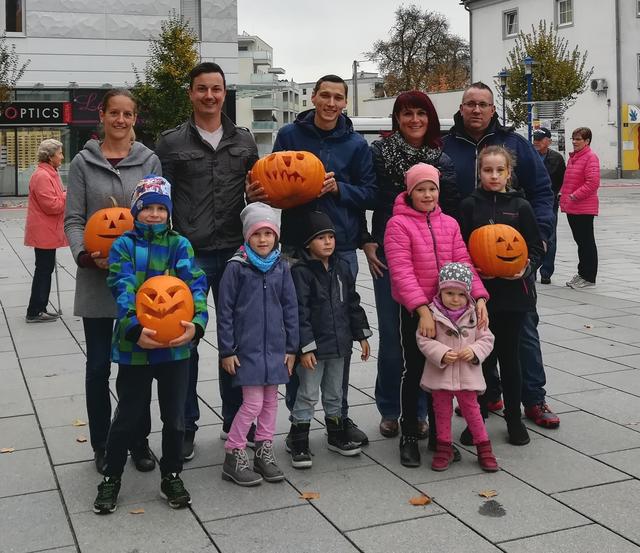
x,y
152,189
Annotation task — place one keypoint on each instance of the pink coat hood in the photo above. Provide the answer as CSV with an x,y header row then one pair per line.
x,y
581,180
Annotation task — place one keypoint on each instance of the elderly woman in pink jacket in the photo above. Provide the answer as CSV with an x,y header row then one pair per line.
x,y
44,228
579,200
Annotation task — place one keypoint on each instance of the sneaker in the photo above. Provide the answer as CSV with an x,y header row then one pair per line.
x,y
542,416
173,490
264,462
353,433
142,457
338,439
518,434
42,317
188,448
545,280
572,280
297,443
582,283
389,427
251,435
236,468
100,459
107,498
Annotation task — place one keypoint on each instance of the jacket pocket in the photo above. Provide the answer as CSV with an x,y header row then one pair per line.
x,y
237,159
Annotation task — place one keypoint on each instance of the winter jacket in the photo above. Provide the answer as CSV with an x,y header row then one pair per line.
x,y
92,180
329,310
461,375
417,245
347,154
207,185
530,173
579,193
44,228
257,317
555,166
145,252
508,208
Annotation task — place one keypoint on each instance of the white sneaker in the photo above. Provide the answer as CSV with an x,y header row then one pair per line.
x,y
582,283
573,279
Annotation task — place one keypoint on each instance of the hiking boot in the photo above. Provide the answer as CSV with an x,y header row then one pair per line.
x,y
297,443
100,459
442,457
518,434
486,458
573,279
409,451
107,498
188,449
541,415
251,435
423,430
142,457
353,433
42,317
433,445
581,283
338,437
389,427
264,462
236,468
173,490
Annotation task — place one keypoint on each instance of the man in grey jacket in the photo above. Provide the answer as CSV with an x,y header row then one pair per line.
x,y
206,160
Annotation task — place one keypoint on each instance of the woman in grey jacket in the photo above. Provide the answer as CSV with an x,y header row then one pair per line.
x,y
103,169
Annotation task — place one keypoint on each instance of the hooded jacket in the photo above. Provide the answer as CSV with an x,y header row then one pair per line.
x,y
417,246
530,173
581,180
347,154
92,180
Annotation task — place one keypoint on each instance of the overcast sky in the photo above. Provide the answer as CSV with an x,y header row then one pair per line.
x,y
311,38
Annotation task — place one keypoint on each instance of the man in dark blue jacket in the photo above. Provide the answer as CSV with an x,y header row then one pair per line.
x,y
476,126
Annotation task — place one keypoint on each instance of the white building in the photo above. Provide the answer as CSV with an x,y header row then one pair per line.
x,y
609,30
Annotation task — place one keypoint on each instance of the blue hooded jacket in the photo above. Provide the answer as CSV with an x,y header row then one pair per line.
x,y
347,154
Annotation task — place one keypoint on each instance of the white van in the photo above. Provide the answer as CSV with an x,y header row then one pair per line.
x,y
372,127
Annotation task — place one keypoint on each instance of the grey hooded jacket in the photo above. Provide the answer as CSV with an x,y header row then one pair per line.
x,y
92,180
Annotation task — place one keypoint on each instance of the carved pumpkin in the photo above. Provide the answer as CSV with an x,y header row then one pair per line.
x,y
104,226
498,250
289,178
161,303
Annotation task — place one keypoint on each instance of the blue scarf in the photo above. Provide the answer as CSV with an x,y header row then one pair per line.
x,y
263,264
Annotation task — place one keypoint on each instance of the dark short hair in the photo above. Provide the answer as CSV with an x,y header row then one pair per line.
x,y
583,132
480,85
417,99
117,92
331,79
206,67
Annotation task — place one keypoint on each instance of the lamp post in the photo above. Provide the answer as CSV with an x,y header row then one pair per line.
x,y
528,72
355,87
502,77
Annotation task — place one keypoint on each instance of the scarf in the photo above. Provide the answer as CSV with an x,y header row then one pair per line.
x,y
399,156
452,314
263,264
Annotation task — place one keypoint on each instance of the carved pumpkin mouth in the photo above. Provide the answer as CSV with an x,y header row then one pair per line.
x,y
291,178
509,259
110,235
162,311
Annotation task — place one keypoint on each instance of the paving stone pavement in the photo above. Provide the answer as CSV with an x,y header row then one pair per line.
x,y
572,489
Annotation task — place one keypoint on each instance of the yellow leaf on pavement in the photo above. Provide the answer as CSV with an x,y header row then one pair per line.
x,y
139,511
488,493
7,450
420,500
309,495
79,422
81,439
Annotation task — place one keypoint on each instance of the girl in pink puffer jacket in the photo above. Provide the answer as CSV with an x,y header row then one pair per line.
x,y
418,241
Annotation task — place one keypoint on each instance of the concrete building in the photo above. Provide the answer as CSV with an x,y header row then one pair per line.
x,y
609,31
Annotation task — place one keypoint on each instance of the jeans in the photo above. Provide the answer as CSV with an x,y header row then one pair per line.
x,y
468,402
582,231
134,392
548,261
326,377
41,284
533,376
213,264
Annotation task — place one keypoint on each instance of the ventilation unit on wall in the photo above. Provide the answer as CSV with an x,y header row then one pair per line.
x,y
599,85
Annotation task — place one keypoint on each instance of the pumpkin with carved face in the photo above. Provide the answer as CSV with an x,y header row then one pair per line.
x,y
104,226
289,178
161,303
498,250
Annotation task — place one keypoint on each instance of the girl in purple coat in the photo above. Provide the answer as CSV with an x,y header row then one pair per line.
x,y
258,333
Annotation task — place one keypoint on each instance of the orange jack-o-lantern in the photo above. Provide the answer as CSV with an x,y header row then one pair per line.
x,y
104,226
498,250
289,178
161,303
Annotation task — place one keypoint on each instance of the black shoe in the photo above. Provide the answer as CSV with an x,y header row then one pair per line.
x,y
409,452
188,451
545,280
518,434
353,433
432,446
142,457
466,438
338,439
107,498
100,459
297,443
172,489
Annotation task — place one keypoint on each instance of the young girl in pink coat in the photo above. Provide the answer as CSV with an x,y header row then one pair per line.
x,y
419,240
453,365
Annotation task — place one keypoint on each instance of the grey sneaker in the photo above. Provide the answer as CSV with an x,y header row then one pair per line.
x,y
582,283
573,279
42,317
236,468
264,462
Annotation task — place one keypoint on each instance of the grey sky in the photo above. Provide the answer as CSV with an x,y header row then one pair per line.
x,y
311,38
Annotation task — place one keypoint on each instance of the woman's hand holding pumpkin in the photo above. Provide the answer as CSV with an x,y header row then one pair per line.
x,y
187,337
519,274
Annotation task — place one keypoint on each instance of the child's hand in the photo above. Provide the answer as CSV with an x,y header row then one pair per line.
x,y
520,274
364,344
482,314
290,361
102,263
466,354
189,333
146,340
450,357
308,360
229,364
426,325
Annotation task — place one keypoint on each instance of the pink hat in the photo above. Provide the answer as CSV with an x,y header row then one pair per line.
x,y
421,172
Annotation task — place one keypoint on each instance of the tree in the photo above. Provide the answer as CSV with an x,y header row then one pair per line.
x,y
559,73
162,95
421,53
10,68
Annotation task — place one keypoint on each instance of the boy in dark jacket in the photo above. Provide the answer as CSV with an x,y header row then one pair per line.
x,y
331,318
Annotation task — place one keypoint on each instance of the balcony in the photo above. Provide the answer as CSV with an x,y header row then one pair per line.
x,y
264,103
262,57
287,106
263,78
264,126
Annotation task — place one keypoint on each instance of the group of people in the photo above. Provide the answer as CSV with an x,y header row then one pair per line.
x,y
287,310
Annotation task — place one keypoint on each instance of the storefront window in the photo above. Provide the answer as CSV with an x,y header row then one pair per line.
x,y
14,16
41,95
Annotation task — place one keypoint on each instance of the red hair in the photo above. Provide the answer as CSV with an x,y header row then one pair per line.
x,y
417,99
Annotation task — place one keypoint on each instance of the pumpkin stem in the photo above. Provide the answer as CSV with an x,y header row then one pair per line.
x,y
114,202
166,272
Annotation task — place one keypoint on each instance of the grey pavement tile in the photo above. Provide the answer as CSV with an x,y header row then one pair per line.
x,y
70,549
561,382
631,321
581,364
14,399
33,522
584,539
517,511
6,344
209,391
209,448
56,385
627,461
625,381
546,348
559,407
24,333
54,365
25,471
630,361
363,375
45,348
436,533
64,445
289,530
207,416
595,312
61,411
20,432
600,347
554,334
121,532
608,404
615,506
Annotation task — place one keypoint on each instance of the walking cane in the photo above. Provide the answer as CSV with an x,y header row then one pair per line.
x,y
55,265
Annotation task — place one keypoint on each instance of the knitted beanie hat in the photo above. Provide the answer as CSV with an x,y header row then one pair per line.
x,y
256,216
455,275
317,223
152,189
421,172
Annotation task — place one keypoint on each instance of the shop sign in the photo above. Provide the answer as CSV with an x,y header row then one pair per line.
x,y
20,114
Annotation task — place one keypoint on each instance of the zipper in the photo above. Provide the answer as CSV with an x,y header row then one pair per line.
x,y
476,145
264,324
433,239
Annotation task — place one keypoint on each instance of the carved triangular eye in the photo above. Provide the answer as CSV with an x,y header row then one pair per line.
x,y
515,239
173,291
500,239
300,156
151,294
121,217
105,217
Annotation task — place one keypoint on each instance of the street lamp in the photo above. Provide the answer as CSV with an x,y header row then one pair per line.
x,y
502,78
528,72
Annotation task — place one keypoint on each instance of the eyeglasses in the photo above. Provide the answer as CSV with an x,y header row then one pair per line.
x,y
474,105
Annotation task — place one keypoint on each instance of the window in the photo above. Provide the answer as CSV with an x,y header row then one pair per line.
x,y
304,103
510,27
14,16
304,90
190,10
565,13
638,9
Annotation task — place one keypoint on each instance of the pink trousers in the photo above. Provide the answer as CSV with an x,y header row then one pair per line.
x,y
260,404
443,410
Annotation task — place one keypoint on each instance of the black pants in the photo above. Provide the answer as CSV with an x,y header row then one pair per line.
x,y
41,285
134,394
582,230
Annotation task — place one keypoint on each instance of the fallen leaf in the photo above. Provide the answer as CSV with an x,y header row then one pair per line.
x,y
309,495
81,439
139,511
420,500
50,375
7,450
488,493
79,422
588,326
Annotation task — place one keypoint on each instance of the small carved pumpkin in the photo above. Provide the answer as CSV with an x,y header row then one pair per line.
x,y
498,250
104,226
289,178
161,303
